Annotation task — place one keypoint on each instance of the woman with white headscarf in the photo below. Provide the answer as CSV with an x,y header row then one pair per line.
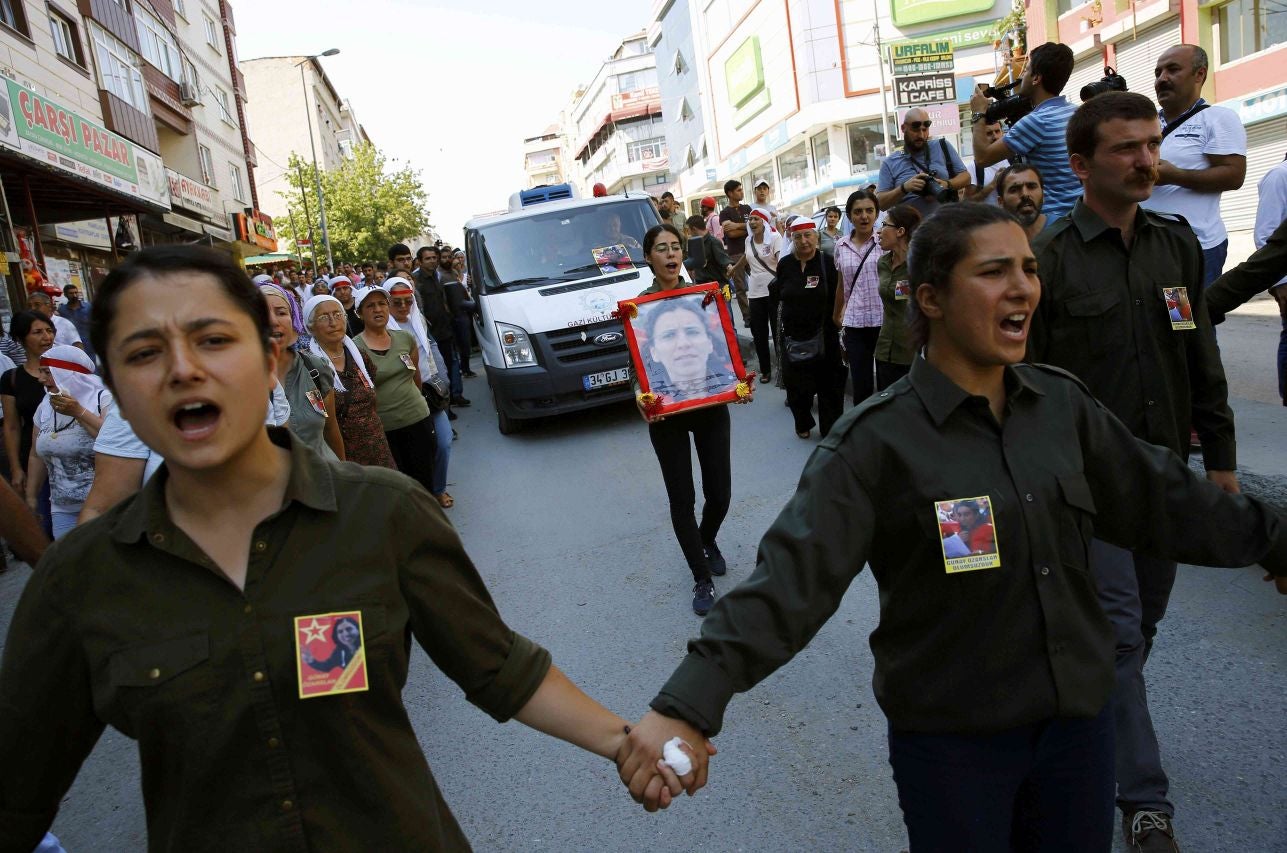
x,y
351,373
305,378
405,308
66,424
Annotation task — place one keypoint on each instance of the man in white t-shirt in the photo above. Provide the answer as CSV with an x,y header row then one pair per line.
x,y
1204,152
983,179
762,194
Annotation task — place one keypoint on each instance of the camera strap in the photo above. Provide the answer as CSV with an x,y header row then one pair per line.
x,y
1175,125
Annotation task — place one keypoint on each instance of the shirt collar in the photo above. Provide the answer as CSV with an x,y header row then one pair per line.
x,y
1161,114
1051,103
941,396
310,484
1090,225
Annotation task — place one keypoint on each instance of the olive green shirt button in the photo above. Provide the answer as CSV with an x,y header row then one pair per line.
x,y
248,609
261,546
158,538
154,673
258,676
287,805
273,743
1045,570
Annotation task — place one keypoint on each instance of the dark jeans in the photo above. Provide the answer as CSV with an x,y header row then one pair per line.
x,y
860,349
1046,787
764,326
711,435
1134,590
454,379
464,342
887,373
413,449
824,377
1213,262
1282,361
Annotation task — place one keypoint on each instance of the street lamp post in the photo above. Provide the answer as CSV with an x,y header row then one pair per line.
x,y
308,113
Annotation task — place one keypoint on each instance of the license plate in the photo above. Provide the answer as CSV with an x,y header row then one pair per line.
x,y
606,378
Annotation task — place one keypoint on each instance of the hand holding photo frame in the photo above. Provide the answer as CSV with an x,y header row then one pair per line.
x,y
684,351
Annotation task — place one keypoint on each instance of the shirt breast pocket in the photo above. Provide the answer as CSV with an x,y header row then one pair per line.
x,y
1076,521
162,683
1096,322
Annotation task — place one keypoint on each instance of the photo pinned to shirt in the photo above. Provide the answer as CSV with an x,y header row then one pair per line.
x,y
612,258
406,359
329,655
811,282
902,290
316,400
968,534
1178,308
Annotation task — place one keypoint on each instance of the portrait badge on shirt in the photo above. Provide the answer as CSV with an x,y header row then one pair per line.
x,y
329,656
317,401
902,290
811,282
968,534
1178,309
406,359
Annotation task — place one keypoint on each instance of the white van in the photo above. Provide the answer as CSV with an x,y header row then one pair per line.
x,y
547,274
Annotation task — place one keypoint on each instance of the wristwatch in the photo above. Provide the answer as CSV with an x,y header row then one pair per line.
x,y
975,118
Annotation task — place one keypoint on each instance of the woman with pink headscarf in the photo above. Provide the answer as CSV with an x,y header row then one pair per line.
x,y
66,424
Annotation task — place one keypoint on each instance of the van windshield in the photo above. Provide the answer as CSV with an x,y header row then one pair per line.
x,y
564,245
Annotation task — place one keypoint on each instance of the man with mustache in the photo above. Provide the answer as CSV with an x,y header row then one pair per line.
x,y
1204,152
1021,191
1103,316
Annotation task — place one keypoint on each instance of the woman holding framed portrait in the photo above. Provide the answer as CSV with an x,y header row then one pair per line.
x,y
683,360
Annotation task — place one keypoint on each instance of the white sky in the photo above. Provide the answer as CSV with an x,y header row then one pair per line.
x,y
450,88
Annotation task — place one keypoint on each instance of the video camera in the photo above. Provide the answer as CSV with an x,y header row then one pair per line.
x,y
1005,107
1112,82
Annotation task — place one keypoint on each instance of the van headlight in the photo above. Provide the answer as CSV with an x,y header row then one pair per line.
x,y
516,345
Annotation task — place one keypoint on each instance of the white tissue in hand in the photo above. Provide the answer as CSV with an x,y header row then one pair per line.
x,y
676,758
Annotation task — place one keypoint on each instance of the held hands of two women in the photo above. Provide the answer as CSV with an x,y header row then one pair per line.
x,y
652,782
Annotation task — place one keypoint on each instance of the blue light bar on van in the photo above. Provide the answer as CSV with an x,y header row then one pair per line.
x,y
552,192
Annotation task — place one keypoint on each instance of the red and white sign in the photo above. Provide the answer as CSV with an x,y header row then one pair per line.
x,y
191,195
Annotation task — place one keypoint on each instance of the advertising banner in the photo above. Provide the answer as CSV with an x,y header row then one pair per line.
x,y
190,194
924,89
921,57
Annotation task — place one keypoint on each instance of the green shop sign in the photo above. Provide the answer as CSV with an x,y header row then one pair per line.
x,y
909,12
744,78
53,126
921,57
972,36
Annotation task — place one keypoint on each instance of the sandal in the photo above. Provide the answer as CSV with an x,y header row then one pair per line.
x,y
445,500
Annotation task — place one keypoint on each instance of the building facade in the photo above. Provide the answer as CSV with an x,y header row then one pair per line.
x,y
614,125
102,128
543,160
286,93
672,37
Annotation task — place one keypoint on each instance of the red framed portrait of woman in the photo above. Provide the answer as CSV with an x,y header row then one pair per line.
x,y
684,351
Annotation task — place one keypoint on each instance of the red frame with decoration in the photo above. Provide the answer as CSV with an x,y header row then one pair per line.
x,y
652,405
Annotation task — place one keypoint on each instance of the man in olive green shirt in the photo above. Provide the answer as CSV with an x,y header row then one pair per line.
x,y
1123,308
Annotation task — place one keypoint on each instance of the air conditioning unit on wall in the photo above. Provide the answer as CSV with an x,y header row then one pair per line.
x,y
189,94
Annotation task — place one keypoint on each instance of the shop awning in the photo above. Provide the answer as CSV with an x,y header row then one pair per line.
x,y
59,196
271,258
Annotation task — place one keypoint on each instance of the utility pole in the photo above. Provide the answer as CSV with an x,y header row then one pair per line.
x,y
880,60
317,174
303,194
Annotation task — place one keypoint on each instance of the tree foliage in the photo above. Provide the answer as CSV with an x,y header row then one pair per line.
x,y
369,207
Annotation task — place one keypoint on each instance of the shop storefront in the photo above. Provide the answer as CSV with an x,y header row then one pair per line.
x,y
57,166
255,233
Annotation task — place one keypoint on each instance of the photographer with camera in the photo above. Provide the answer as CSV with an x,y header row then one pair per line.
x,y
1204,153
923,175
1037,137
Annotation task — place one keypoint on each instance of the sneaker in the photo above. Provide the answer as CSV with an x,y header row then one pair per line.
x,y
469,374
451,416
1149,831
766,377
703,597
460,401
715,560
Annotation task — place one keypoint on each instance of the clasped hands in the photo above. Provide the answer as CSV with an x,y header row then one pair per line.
x,y
650,780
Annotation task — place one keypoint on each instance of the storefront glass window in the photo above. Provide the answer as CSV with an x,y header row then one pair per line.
x,y
822,156
1250,26
864,136
793,172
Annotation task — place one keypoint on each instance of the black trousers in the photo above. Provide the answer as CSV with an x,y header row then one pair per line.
x,y
764,325
860,349
464,341
711,435
887,373
413,448
824,378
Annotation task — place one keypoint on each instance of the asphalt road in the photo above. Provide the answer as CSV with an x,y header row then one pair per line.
x,y
568,525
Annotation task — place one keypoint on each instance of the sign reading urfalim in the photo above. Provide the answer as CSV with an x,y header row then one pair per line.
x,y
922,57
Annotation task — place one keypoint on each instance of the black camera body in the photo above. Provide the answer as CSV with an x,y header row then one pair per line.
x,y
1005,107
1111,82
941,194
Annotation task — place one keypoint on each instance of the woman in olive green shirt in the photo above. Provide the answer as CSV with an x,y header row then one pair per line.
x,y
893,346
408,424
181,616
